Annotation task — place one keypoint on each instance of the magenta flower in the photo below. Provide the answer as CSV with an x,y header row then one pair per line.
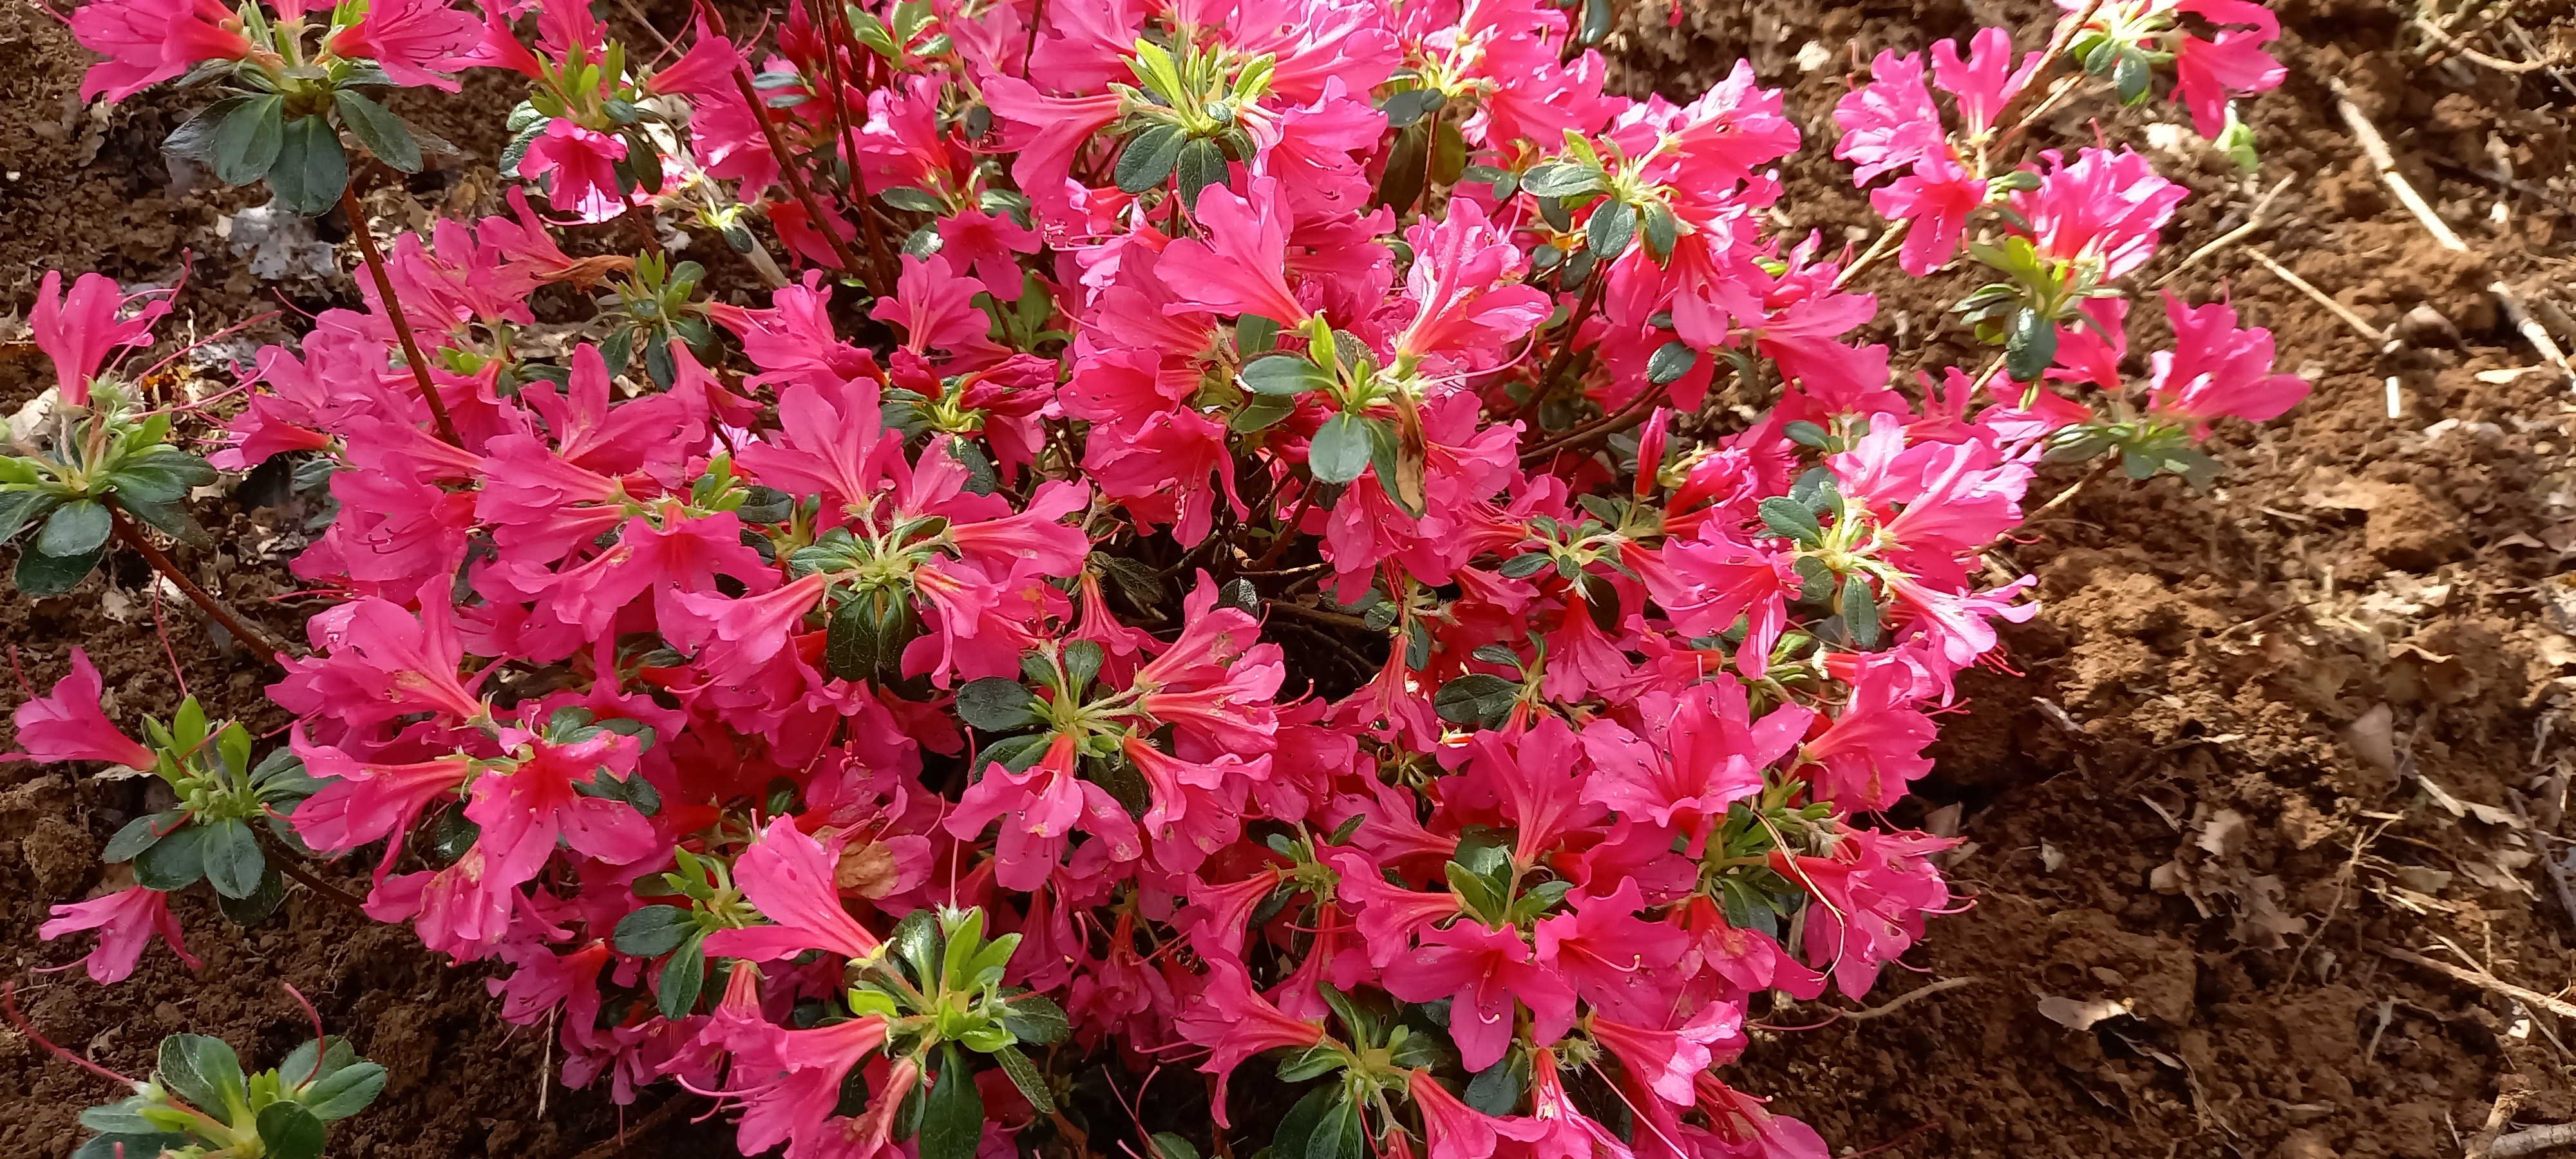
x,y
150,41
67,724
579,169
1388,915
2103,207
1465,285
1236,1023
791,878
79,330
1450,1128
1874,749
1985,82
125,921
1242,267
1670,1061
414,41
2218,371
1616,961
1486,970
1937,197
1889,123
1701,752
360,803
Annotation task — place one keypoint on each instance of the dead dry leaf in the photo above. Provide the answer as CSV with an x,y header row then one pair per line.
x,y
2076,1015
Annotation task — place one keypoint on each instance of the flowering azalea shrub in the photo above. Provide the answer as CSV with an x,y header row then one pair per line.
x,y
1303,531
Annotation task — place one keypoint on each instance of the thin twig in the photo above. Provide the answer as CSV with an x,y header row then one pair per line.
x,y
260,641
366,239
1878,248
626,1136
2360,325
2464,52
2533,1140
1628,416
2254,220
1901,1001
787,168
2534,998
289,864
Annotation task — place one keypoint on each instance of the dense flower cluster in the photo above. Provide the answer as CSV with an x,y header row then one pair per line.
x,y
1345,541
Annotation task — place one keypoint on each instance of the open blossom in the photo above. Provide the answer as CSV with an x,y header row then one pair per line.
x,y
150,41
2216,370
126,921
79,330
2103,207
414,41
68,724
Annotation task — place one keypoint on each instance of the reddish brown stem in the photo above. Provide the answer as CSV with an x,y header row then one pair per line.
x,y
1628,416
132,536
787,169
393,309
880,259
287,863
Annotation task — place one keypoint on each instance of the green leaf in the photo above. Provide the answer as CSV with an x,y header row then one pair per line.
x,y
1167,1145
952,1114
1412,105
171,518
868,633
1201,164
1284,374
1662,230
1670,362
138,835
311,170
75,528
1147,160
195,139
1260,412
1612,228
1298,1129
233,859
202,1071
675,990
1082,660
290,1131
1561,180
263,899
118,1118
1254,334
1788,518
1035,1019
1496,1090
2030,345
1340,450
346,1091
997,704
1313,1062
1860,612
247,143
1477,698
376,127
173,863
907,197
654,930
918,942
1024,1075
2133,77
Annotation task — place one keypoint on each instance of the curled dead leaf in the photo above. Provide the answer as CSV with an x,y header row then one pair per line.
x,y
2079,1015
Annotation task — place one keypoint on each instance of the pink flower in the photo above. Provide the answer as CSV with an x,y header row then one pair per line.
x,y
1670,1060
1236,1023
988,244
579,168
150,41
1047,132
2218,371
791,879
360,803
2103,207
1890,122
1986,81
413,40
527,807
1450,1128
1485,970
790,1086
78,330
1871,897
125,921
1874,749
1701,752
1242,267
1389,915
1464,283
1616,961
1039,808
68,724
1937,197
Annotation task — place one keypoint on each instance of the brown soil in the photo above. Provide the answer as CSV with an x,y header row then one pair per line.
x,y
2260,733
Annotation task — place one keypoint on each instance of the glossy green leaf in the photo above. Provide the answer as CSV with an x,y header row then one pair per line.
x,y
246,145
1148,158
232,858
290,1131
997,704
173,863
654,930
385,135
952,1113
75,528
311,169
1340,450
